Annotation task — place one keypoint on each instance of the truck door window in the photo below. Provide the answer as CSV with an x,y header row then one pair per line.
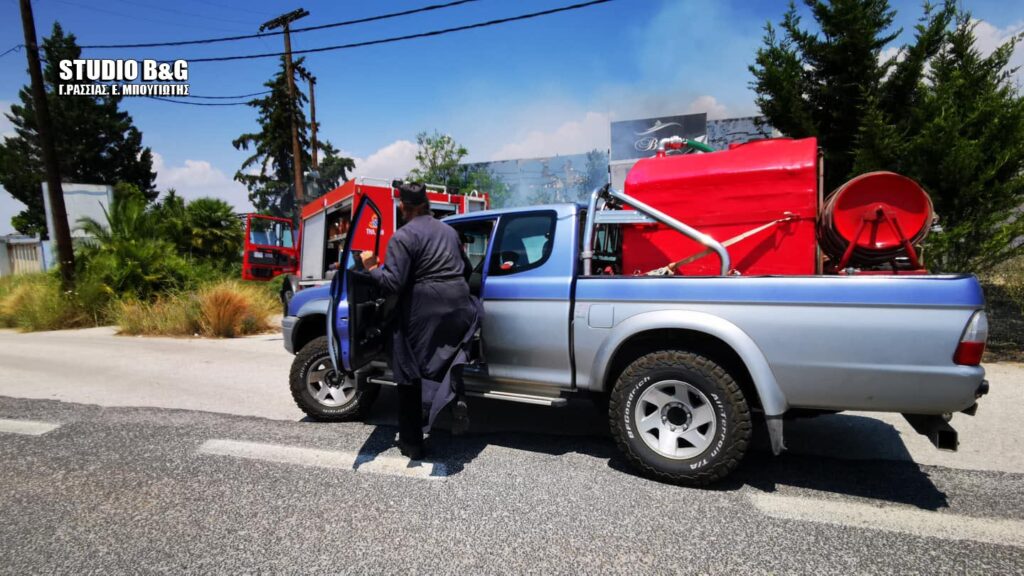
x,y
475,237
524,242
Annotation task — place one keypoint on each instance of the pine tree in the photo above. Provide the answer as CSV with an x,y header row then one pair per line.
x,y
268,173
833,84
97,143
334,168
938,112
968,152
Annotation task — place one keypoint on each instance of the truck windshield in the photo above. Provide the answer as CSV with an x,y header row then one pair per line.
x,y
267,232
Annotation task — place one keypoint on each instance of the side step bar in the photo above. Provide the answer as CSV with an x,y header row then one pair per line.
x,y
553,401
537,400
936,429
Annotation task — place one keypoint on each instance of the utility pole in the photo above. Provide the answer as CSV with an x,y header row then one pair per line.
x,y
283,21
312,112
44,129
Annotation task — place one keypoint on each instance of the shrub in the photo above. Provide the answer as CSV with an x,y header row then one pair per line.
x,y
126,256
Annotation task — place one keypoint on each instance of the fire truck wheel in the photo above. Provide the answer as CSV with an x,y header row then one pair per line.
x,y
680,417
324,394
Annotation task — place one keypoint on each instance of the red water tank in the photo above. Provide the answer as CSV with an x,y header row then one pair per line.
x,y
766,190
882,213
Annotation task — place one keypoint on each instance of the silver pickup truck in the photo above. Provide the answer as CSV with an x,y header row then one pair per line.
x,y
684,363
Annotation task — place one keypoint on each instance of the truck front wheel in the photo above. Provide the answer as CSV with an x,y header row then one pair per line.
x,y
679,416
324,394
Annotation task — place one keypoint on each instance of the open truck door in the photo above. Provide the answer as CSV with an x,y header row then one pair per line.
x,y
358,311
269,248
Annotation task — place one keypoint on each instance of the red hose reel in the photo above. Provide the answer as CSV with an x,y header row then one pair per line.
x,y
874,219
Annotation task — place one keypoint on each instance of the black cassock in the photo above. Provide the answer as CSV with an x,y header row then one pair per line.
x,y
436,317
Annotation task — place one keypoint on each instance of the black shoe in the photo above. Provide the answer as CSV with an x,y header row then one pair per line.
x,y
412,451
460,418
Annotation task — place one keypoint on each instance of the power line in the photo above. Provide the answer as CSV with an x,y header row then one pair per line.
x,y
16,47
183,13
131,17
199,103
294,30
401,38
231,97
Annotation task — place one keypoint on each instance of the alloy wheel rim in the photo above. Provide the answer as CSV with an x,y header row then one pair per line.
x,y
675,419
326,387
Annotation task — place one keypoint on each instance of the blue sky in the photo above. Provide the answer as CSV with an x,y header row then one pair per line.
x,y
526,89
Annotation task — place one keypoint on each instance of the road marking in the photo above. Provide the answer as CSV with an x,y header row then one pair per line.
x,y
27,427
892,518
380,464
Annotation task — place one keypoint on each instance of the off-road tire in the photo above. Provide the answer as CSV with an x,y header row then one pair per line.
x,y
312,354
731,413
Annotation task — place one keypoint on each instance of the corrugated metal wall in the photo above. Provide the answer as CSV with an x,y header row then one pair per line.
x,y
21,256
25,258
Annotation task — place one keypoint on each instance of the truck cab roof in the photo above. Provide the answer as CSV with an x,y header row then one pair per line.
x,y
562,210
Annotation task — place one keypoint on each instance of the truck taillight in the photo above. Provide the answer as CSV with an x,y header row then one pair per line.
x,y
972,343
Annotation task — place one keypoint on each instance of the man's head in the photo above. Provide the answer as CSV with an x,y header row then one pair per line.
x,y
413,196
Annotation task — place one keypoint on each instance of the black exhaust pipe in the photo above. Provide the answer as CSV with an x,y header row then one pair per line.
x,y
936,429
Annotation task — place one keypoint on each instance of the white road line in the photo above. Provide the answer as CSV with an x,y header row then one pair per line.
x,y
892,518
381,464
27,427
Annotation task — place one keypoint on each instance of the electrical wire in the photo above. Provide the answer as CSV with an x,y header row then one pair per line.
x,y
144,5
132,17
230,97
279,32
401,38
199,103
15,48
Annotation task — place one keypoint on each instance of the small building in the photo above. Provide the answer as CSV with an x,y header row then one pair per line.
x,y
22,255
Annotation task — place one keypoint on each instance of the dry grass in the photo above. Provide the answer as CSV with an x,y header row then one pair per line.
x,y
34,302
224,309
169,316
230,309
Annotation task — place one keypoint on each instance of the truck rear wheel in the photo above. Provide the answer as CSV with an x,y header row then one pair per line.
x,y
322,393
679,416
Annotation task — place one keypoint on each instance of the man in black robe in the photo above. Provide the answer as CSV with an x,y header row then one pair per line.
x,y
428,270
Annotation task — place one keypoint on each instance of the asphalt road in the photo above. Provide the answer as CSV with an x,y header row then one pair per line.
x,y
132,455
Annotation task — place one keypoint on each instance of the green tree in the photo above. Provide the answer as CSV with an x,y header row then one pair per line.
x,y
171,220
205,229
967,149
438,157
938,111
439,161
595,174
334,168
96,142
214,230
481,179
833,84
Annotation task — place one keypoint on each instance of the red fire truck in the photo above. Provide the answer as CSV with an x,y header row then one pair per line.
x,y
271,249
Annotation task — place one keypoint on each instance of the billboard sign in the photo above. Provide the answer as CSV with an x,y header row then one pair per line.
x,y
635,139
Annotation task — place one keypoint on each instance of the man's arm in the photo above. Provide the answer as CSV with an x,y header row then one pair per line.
x,y
395,274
